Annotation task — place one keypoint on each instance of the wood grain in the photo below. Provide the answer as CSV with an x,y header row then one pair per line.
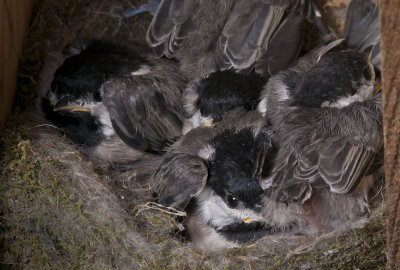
x,y
14,18
390,30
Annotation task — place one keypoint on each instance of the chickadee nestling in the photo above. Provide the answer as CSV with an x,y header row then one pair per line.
x,y
207,36
102,89
208,100
218,169
327,128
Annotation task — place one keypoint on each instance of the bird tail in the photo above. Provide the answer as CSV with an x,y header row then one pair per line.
x,y
362,29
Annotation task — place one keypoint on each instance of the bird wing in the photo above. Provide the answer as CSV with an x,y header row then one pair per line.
x,y
284,46
340,163
268,34
250,30
144,116
183,173
122,124
170,26
247,31
180,178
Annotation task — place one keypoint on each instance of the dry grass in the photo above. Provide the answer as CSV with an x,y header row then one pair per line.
x,y
59,211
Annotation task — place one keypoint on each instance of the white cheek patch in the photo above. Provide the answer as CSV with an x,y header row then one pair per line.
x,y
215,211
141,71
196,121
192,122
99,110
343,101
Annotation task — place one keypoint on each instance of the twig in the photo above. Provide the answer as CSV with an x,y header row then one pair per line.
x,y
161,208
47,125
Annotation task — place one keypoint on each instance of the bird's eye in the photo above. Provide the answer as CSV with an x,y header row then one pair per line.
x,y
367,73
232,201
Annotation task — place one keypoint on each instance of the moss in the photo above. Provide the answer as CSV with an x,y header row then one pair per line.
x,y
53,218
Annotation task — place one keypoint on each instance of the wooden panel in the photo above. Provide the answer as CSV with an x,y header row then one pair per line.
x,y
14,19
390,30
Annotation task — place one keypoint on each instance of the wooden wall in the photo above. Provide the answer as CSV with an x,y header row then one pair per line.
x,y
14,19
390,47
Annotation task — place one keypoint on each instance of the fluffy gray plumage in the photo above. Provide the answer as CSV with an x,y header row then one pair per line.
x,y
183,172
147,102
327,149
191,171
102,89
206,36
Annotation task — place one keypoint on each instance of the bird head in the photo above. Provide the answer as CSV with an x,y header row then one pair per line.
x,y
88,64
338,79
207,101
75,86
236,191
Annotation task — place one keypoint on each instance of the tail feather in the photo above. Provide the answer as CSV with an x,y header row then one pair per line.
x,y
123,162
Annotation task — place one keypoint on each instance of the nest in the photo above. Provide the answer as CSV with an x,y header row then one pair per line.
x,y
60,210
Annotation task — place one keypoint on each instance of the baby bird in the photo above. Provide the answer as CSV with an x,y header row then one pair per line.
x,y
208,100
218,169
207,36
327,130
102,89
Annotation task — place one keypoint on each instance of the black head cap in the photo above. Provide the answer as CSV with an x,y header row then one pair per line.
x,y
337,74
231,172
82,74
223,91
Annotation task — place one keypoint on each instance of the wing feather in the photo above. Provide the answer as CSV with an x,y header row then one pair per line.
x,y
180,178
340,163
170,26
247,32
147,105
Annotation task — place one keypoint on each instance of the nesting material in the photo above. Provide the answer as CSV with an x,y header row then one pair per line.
x,y
60,210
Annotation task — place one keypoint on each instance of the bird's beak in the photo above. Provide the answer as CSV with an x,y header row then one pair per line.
x,y
210,124
72,108
252,219
65,104
378,88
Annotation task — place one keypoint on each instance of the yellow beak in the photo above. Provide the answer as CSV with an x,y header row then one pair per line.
x,y
251,219
72,108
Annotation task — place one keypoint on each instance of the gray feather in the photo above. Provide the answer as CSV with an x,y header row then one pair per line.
x,y
333,145
362,28
245,38
180,178
183,172
147,105
213,35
